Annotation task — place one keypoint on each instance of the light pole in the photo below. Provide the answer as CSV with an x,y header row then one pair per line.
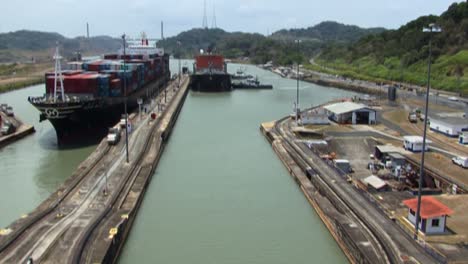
x,y
178,45
298,41
125,99
432,28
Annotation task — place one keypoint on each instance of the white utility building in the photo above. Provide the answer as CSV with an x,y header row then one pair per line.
x,y
351,113
450,126
415,143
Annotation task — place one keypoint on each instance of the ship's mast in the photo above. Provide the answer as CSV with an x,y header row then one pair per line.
x,y
58,74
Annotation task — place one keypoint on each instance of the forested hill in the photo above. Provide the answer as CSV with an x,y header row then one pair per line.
x,y
327,31
258,48
402,54
24,44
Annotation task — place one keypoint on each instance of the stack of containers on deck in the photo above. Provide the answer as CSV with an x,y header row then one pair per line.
x,y
75,84
115,88
138,69
106,77
103,85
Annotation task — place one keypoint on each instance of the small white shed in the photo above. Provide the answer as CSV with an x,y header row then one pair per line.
x,y
375,183
433,214
415,143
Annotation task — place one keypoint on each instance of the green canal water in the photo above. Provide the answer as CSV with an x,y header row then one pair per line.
x,y
33,167
219,195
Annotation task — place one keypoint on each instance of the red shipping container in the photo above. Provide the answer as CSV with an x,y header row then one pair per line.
x,y
70,73
93,67
81,84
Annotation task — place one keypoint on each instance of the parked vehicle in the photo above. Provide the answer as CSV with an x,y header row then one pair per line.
x,y
122,121
114,136
413,117
3,107
453,98
9,111
7,128
461,161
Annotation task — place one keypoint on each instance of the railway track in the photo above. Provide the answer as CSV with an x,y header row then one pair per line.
x,y
381,256
119,196
30,228
47,234
389,240
81,207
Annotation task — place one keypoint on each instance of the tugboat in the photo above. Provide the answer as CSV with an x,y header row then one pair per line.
x,y
250,83
210,74
240,75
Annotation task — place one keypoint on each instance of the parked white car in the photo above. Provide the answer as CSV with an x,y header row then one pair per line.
x,y
461,161
114,136
122,122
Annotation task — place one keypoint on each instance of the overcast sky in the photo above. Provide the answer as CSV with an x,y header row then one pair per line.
x,y
114,17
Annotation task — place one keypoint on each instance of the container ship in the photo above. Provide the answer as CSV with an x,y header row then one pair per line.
x,y
210,74
88,97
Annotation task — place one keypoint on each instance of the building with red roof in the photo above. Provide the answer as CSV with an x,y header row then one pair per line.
x,y
433,214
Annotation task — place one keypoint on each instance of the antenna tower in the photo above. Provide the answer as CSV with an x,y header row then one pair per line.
x,y
205,19
213,22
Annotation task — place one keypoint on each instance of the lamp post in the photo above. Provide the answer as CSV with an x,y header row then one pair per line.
x,y
298,41
125,99
178,45
432,28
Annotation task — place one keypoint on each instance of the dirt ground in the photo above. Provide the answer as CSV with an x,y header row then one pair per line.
x,y
355,143
356,150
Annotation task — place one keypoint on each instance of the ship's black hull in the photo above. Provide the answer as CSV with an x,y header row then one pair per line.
x,y
87,121
211,82
87,126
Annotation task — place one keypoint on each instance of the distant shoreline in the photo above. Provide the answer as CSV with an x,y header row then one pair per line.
x,y
20,84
